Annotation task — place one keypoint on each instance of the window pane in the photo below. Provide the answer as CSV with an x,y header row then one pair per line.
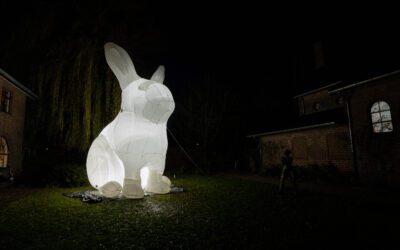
x,y
376,117
383,106
386,116
375,107
387,126
377,127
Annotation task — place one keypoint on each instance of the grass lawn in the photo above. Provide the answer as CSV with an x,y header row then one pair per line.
x,y
215,212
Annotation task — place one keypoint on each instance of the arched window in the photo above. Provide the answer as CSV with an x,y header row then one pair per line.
x,y
381,117
3,152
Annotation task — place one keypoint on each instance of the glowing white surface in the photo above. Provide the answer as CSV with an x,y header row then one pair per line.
x,y
129,154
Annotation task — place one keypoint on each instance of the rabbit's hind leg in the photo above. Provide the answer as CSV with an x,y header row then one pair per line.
x,y
105,170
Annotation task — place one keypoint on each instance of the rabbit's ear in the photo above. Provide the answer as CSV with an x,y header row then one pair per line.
x,y
121,64
159,75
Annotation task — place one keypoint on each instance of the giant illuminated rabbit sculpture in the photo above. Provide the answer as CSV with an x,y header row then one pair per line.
x,y
129,154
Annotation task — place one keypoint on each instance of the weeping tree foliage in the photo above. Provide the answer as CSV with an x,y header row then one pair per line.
x,y
78,96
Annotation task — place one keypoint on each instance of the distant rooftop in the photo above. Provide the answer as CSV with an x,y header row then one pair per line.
x,y
347,84
17,84
292,129
334,90
318,89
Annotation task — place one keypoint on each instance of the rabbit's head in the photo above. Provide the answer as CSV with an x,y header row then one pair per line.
x,y
147,98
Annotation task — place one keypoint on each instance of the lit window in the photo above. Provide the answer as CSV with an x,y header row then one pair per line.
x,y
3,152
381,117
6,101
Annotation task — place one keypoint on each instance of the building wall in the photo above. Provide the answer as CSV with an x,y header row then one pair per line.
x,y
326,101
377,154
318,146
12,125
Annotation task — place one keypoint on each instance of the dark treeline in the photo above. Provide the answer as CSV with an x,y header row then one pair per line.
x,y
77,96
57,51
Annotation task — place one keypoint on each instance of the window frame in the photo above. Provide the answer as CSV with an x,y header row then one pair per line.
x,y
6,99
380,121
3,142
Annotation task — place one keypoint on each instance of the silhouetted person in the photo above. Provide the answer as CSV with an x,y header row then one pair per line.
x,y
288,170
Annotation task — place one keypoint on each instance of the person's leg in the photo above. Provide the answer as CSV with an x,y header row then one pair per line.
x,y
282,182
294,179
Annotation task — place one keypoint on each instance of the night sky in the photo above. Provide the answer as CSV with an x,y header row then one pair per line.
x,y
262,55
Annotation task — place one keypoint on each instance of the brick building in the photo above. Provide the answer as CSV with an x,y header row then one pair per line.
x,y
351,125
373,107
12,118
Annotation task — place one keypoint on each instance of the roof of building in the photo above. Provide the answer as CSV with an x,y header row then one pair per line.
x,y
347,84
336,116
292,129
318,89
353,85
17,84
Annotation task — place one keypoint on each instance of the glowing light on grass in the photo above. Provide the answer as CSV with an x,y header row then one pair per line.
x,y
129,154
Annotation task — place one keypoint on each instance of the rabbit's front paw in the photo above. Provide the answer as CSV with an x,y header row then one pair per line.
x,y
158,184
132,189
